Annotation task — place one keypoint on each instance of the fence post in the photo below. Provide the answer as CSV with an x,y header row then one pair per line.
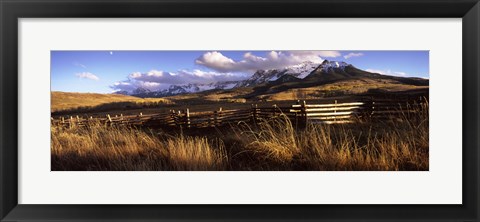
x,y
274,110
179,118
71,122
294,108
373,108
109,119
304,114
172,116
335,112
188,117
219,116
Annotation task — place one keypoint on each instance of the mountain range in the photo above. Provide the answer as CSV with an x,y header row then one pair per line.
x,y
304,75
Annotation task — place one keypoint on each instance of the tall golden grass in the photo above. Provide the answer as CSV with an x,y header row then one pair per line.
x,y
398,143
99,147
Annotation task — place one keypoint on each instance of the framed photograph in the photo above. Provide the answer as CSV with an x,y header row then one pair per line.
x,y
225,110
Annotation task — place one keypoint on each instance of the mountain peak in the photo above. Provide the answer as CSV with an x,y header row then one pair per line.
x,y
326,65
298,71
334,63
140,90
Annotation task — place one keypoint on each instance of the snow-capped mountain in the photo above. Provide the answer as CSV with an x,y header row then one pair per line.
x,y
299,71
328,65
180,89
193,88
263,76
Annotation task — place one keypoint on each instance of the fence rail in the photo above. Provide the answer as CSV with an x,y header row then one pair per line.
x,y
300,113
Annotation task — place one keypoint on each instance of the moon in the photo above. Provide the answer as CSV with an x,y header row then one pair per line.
x,y
111,53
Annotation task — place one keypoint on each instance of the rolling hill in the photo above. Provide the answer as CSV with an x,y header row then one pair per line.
x,y
68,100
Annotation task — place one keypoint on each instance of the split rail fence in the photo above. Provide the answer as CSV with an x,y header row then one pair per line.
x,y
300,113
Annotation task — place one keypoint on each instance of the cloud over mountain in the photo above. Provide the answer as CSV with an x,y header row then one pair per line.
x,y
272,60
157,80
223,69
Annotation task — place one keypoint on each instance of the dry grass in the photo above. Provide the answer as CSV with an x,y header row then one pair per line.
x,y
350,87
400,143
70,101
98,147
229,96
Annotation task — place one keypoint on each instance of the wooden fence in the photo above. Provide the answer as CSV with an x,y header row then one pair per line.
x,y
300,113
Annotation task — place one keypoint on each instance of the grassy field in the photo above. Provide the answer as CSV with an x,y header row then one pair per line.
x,y
397,144
66,101
341,88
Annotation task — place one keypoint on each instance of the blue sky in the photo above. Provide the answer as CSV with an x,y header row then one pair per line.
x,y
109,71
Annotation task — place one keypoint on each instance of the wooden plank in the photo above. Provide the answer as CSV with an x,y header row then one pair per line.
x,y
331,117
234,110
331,114
330,105
236,119
393,111
339,122
333,109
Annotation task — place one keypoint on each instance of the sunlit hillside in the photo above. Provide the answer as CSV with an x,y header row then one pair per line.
x,y
68,100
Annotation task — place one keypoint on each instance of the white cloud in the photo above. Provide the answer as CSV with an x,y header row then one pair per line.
x,y
87,75
157,80
331,54
272,60
132,85
352,54
184,76
123,86
80,65
387,72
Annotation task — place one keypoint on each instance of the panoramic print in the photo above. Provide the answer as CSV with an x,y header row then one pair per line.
x,y
244,110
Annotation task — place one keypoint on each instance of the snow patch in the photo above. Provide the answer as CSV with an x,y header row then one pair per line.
x,y
327,65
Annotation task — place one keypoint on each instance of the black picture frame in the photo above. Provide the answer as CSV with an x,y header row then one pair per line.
x,y
11,11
